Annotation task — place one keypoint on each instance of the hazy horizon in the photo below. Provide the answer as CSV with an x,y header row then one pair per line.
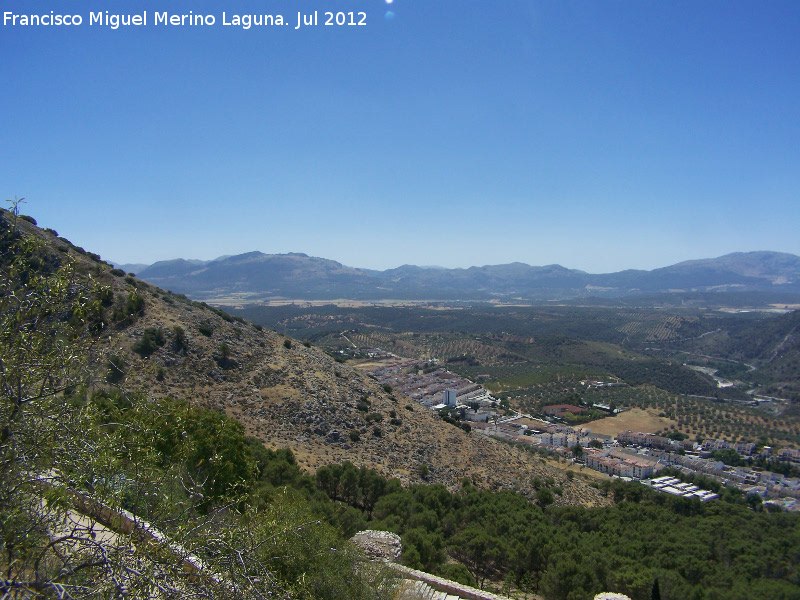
x,y
356,266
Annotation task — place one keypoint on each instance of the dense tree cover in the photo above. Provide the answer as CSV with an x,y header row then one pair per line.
x,y
594,324
706,551
666,375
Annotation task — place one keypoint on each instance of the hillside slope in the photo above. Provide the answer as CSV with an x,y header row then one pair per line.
x,y
284,393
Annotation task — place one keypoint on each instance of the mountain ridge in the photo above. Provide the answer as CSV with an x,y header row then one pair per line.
x,y
297,275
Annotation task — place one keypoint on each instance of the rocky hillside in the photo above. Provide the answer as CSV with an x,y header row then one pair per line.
x,y
284,393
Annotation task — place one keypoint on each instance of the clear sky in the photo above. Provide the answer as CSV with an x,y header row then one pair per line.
x,y
599,135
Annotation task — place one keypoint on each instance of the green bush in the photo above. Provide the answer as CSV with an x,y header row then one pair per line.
x,y
115,369
457,572
134,305
224,357
152,339
179,341
545,497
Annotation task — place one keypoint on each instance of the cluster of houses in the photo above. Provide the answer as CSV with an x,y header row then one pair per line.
x,y
418,381
638,455
632,455
620,463
673,485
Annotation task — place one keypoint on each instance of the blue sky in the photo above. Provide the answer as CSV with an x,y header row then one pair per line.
x,y
600,135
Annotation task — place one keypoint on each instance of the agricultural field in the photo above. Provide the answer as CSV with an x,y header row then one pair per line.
x,y
635,419
535,356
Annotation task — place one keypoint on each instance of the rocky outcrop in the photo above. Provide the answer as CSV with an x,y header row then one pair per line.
x,y
380,545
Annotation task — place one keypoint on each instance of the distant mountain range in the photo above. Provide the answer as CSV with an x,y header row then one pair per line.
x,y
299,276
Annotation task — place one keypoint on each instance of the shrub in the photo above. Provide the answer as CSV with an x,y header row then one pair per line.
x,y
457,572
152,339
115,369
387,388
354,435
374,416
224,359
179,343
134,305
106,295
287,343
28,219
544,497
117,272
205,329
395,422
377,431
